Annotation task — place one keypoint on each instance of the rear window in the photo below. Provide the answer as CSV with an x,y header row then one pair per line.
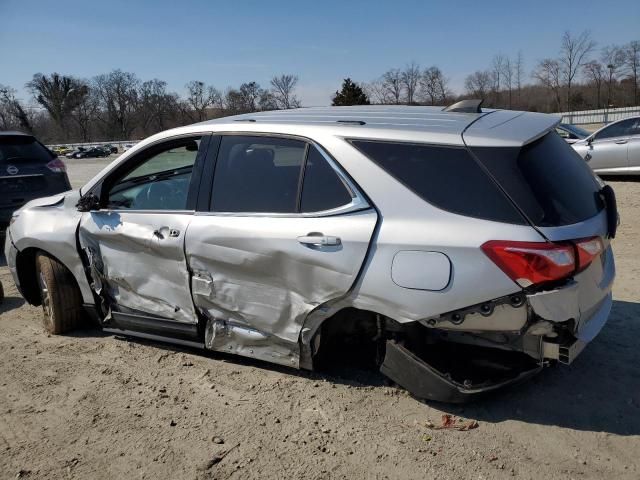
x,y
447,177
547,179
22,148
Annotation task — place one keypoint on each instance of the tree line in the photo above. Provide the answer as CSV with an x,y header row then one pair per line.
x,y
119,106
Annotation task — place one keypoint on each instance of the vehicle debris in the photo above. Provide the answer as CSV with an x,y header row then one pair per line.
x,y
451,422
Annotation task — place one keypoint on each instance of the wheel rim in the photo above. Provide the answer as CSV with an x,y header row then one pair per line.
x,y
46,300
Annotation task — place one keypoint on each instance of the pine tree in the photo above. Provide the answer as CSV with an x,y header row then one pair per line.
x,y
351,94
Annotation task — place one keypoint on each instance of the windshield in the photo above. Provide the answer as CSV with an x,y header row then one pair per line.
x,y
20,148
580,132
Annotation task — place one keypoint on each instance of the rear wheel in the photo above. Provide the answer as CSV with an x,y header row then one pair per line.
x,y
61,300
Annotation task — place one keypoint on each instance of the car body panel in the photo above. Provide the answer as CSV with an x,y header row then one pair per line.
x,y
615,155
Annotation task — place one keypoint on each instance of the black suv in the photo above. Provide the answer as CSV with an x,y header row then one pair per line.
x,y
28,170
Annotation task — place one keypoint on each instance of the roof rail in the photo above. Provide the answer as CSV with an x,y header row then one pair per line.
x,y
465,106
352,122
244,120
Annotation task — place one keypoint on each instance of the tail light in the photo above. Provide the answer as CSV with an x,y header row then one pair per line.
x,y
588,249
56,165
531,263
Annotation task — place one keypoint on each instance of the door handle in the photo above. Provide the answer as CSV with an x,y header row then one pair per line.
x,y
622,141
319,240
160,233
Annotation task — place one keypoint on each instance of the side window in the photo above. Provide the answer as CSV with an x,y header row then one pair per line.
x,y
564,133
322,188
257,174
161,182
619,129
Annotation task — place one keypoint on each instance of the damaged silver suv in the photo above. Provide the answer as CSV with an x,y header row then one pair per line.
x,y
457,250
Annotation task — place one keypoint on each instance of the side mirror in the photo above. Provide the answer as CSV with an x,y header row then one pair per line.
x,y
590,140
88,202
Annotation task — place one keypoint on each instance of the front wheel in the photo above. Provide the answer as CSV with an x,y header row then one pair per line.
x,y
61,299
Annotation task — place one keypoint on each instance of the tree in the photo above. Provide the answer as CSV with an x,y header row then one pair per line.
x,y
548,73
392,85
434,85
250,95
200,98
410,78
519,73
497,68
376,92
574,52
118,94
350,94
282,89
632,65
12,113
85,113
613,58
59,95
156,106
508,72
594,71
478,83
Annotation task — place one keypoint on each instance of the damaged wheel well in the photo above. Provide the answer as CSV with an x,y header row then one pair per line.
x,y
27,274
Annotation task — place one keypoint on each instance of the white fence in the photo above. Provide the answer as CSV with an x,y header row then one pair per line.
x,y
605,115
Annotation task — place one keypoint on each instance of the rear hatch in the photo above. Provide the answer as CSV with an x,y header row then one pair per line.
x,y
27,170
559,195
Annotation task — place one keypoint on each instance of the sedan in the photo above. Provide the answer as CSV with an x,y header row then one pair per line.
x,y
614,149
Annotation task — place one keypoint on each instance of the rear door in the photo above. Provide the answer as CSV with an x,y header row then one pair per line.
x,y
284,231
633,149
609,147
134,243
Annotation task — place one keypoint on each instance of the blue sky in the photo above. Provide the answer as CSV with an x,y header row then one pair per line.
x,y
227,43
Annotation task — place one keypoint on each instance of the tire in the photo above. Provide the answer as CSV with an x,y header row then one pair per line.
x,y
61,299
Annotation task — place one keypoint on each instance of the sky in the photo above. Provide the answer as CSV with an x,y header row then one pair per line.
x,y
322,42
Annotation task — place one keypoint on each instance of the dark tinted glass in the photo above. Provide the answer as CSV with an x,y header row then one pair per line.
x,y
547,179
446,177
257,174
619,129
322,188
22,148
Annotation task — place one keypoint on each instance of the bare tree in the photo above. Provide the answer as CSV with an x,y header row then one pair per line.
x,y
200,98
632,66
12,113
434,85
574,52
392,85
613,58
85,113
497,70
156,106
549,73
478,83
282,89
376,92
59,95
118,94
410,81
594,71
519,73
250,96
508,73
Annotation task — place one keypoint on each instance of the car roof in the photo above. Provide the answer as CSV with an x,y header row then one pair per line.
x,y
397,122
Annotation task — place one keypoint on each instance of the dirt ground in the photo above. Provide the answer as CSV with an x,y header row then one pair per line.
x,y
99,406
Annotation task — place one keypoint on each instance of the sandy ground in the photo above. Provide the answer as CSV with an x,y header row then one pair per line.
x,y
99,406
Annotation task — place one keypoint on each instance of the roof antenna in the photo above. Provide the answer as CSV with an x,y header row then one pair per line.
x,y
465,106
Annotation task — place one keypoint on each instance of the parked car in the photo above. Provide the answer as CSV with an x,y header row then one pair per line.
x,y
74,152
571,133
127,146
110,148
61,150
457,250
92,152
27,170
614,149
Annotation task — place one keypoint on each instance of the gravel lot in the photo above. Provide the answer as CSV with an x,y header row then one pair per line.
x,y
99,406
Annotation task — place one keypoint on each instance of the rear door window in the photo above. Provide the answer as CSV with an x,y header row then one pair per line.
x,y
257,174
547,179
322,189
447,177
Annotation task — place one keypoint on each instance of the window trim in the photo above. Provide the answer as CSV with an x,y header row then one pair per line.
x,y
596,135
358,200
139,158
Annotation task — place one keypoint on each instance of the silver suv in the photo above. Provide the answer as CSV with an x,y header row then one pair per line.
x,y
457,250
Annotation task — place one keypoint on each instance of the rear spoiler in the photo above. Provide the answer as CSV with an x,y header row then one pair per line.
x,y
608,196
